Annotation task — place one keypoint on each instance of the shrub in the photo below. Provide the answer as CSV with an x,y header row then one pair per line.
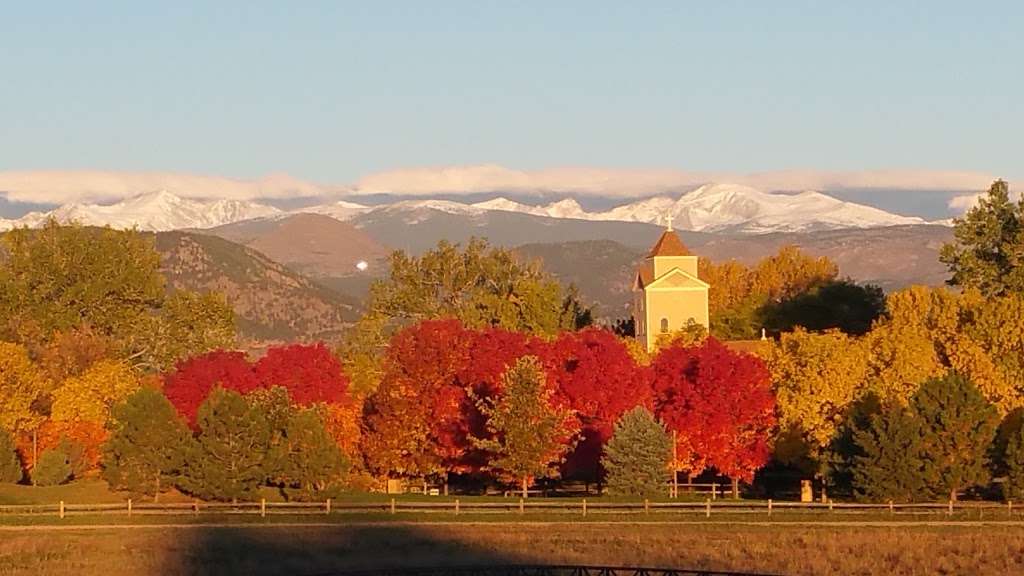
x,y
10,464
53,468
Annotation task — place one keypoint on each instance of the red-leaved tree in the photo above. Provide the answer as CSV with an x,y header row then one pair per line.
x,y
191,380
595,376
719,403
416,423
310,373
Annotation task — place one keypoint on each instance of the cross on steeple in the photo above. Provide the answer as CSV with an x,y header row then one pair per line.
x,y
668,221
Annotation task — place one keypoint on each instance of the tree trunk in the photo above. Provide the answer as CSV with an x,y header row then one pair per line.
x,y
952,495
156,495
735,488
525,486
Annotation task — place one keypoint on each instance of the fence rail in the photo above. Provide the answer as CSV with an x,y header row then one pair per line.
x,y
583,507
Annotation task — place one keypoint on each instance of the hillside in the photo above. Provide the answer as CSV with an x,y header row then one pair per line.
x,y
416,228
270,301
313,245
601,269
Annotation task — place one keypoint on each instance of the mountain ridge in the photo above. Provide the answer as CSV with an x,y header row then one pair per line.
x,y
709,208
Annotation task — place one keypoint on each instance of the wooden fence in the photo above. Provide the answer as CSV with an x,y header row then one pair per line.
x,y
563,506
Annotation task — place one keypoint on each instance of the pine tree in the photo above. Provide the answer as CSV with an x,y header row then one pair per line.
x,y
1013,459
311,462
10,464
530,434
988,245
637,456
889,461
957,428
228,461
147,446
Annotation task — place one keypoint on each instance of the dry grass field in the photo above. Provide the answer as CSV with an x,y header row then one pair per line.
x,y
258,550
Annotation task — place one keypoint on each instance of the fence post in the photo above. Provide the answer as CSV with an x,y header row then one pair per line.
x,y
327,506
392,505
949,511
891,512
263,507
61,513
1009,508
769,506
129,507
714,490
456,506
584,506
522,506
829,504
647,506
195,506
707,508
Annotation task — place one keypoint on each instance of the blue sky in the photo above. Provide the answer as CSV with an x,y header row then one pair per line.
x,y
332,91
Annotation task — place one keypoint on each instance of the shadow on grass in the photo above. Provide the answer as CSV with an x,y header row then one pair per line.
x,y
385,549
267,549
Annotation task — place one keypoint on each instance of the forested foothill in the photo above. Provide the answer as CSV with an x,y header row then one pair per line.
x,y
473,369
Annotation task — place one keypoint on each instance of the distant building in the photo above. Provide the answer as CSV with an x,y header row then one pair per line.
x,y
668,295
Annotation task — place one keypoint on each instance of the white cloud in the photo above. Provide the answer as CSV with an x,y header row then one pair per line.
x,y
59,187
963,203
640,182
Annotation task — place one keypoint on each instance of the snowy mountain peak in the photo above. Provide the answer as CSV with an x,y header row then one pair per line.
x,y
154,211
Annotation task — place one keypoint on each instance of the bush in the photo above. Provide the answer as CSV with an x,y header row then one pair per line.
x,y
637,456
10,464
52,469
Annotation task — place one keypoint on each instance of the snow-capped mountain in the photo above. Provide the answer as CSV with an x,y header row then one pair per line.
x,y
340,210
716,207
710,208
567,208
155,211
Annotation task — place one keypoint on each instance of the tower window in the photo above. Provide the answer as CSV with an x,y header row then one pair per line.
x,y
664,325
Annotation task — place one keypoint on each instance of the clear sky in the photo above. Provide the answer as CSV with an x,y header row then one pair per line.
x,y
330,91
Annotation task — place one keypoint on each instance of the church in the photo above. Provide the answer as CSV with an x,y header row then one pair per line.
x,y
668,293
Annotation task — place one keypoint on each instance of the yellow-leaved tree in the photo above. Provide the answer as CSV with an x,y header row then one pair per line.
x,y
978,337
816,377
22,386
900,357
90,396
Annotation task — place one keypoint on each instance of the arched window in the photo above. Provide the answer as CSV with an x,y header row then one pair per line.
x,y
664,325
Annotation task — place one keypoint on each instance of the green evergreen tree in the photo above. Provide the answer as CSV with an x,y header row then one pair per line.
x,y
1013,460
530,434
147,446
957,427
311,463
888,460
636,457
229,458
839,460
987,251
10,464
53,468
